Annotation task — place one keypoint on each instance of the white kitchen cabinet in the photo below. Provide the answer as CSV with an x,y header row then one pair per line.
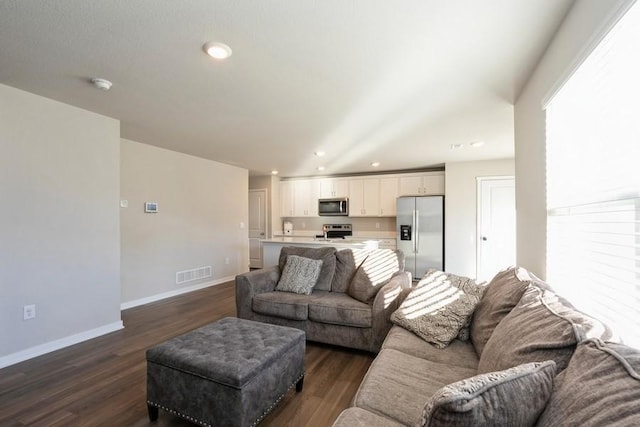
x,y
305,197
364,197
299,198
388,196
426,184
330,187
286,198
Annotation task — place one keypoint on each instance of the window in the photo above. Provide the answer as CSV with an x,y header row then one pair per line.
x,y
593,182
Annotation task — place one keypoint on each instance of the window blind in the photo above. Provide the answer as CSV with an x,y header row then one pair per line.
x,y
593,182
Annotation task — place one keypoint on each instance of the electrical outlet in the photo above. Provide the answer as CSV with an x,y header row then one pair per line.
x,y
29,312
377,225
124,203
226,260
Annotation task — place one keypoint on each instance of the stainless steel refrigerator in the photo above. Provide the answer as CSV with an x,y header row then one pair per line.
x,y
420,233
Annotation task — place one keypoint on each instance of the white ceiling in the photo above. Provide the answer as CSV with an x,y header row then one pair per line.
x,y
397,82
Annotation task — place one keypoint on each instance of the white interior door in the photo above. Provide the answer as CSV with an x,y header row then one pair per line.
x,y
257,226
496,239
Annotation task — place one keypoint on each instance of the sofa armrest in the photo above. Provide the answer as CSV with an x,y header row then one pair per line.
x,y
253,283
387,300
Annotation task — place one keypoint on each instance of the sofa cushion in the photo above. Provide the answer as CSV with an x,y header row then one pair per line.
x,y
374,272
541,327
340,309
299,275
458,353
397,385
327,255
515,397
347,262
436,309
502,294
601,386
357,417
282,304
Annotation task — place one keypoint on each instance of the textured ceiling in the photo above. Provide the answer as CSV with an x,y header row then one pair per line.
x,y
397,82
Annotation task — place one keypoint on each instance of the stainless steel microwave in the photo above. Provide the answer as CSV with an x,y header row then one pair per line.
x,y
333,207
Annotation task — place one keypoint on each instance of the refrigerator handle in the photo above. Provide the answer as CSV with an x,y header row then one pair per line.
x,y
417,228
413,231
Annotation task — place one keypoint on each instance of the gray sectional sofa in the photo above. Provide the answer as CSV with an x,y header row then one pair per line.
x,y
532,359
350,305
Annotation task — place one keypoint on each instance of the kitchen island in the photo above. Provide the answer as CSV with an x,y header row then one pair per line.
x,y
271,247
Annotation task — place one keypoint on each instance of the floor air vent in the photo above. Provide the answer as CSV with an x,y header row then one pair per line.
x,y
193,274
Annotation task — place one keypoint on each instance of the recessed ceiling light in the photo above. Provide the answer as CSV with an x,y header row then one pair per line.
x,y
274,172
375,164
217,50
456,146
319,153
320,168
477,144
102,84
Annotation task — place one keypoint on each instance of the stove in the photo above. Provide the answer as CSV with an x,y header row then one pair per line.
x,y
336,231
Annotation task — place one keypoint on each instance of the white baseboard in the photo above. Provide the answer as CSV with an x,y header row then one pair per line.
x,y
41,349
176,292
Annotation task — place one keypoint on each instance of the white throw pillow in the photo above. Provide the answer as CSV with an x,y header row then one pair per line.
x,y
437,308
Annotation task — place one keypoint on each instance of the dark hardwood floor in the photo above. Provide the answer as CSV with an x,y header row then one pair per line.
x,y
101,382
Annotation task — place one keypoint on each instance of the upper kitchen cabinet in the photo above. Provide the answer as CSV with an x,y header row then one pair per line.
x,y
373,196
299,198
364,197
330,187
286,198
388,196
424,184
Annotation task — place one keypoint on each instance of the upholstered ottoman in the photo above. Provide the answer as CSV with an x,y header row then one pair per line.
x,y
229,373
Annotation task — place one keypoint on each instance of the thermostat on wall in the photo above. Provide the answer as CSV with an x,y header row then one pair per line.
x,y
151,207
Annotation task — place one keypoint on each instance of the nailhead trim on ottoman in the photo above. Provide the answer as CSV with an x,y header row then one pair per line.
x,y
230,373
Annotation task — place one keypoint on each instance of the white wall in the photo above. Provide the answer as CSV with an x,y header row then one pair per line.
x,y
583,27
59,224
201,206
461,211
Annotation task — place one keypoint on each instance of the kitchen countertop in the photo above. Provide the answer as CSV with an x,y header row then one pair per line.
x,y
319,241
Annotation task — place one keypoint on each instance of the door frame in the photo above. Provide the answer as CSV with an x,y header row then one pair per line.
x,y
479,181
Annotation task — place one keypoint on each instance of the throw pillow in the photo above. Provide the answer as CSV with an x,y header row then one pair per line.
x,y
468,286
540,327
600,387
376,270
347,263
299,275
514,397
436,309
502,294
326,254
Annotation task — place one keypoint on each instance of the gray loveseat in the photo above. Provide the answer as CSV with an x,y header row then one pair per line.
x,y
590,381
350,305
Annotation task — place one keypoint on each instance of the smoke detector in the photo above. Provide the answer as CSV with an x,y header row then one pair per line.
x,y
102,84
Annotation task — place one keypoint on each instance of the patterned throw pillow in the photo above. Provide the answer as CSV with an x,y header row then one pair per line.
x,y
515,397
468,286
299,275
437,308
